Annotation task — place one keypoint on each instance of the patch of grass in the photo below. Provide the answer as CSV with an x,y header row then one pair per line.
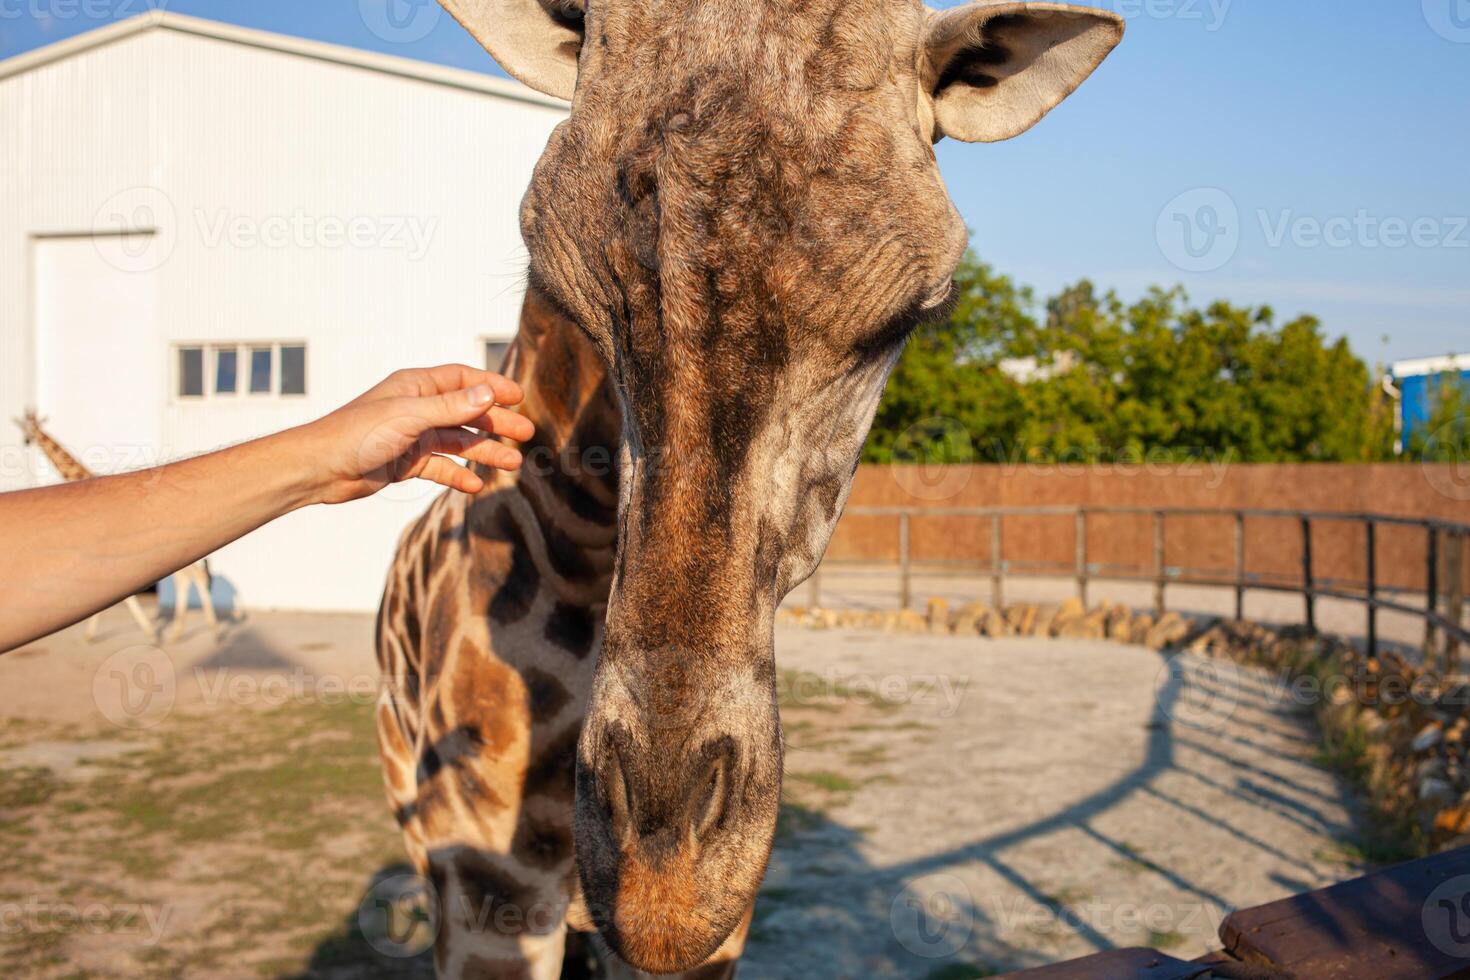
x,y
870,756
1164,940
24,788
829,782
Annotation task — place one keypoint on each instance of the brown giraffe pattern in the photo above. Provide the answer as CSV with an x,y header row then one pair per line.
x,y
487,638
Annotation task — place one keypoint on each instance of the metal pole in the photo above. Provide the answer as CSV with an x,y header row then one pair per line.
x,y
997,584
1082,556
1239,566
1372,589
1307,584
1158,564
1456,583
1431,587
905,583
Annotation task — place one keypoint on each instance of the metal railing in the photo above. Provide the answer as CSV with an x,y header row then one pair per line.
x,y
1444,546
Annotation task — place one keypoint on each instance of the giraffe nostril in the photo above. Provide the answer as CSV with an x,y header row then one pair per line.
x,y
617,788
712,790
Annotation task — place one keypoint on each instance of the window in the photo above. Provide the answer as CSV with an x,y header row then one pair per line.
x,y
261,370
226,370
495,351
191,372
293,369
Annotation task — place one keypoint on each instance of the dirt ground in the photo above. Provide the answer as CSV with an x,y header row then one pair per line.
x,y
955,807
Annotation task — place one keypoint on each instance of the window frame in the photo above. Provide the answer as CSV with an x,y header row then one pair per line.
x,y
242,395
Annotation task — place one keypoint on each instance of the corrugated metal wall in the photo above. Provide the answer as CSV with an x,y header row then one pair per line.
x,y
371,215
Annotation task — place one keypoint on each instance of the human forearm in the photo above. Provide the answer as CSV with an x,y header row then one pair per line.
x,y
71,550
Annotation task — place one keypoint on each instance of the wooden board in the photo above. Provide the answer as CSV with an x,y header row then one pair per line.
x,y
1410,921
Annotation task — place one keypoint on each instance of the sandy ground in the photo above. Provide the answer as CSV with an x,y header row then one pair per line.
x,y
955,806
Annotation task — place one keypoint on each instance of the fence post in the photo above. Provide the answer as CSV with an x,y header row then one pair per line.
x,y
1307,584
1239,566
1372,576
1082,556
1454,572
905,583
1158,564
1431,587
997,585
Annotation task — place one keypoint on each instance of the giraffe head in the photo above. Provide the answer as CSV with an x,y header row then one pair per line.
x,y
744,214
30,427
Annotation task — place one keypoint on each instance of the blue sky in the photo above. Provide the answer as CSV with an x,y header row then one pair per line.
x,y
1309,154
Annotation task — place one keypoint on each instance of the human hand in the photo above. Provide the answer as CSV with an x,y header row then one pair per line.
x,y
407,426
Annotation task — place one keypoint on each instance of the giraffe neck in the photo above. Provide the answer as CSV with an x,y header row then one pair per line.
x,y
569,477
65,463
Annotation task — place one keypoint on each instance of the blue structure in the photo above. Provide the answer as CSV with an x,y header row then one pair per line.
x,y
1418,382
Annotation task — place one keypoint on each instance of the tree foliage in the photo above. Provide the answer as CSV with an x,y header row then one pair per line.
x,y
1086,377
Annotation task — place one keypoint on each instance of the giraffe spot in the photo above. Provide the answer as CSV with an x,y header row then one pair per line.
x,y
572,628
488,699
553,774
480,968
543,843
492,899
513,599
548,694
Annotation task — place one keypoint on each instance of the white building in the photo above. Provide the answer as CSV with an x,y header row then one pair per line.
x,y
209,233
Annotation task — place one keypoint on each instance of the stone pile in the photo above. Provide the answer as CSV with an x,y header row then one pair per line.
x,y
1108,621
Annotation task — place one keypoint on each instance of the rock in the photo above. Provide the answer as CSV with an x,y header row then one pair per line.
x,y
1044,618
937,613
1454,820
1431,768
1166,631
1429,736
1142,623
1120,624
1021,618
994,625
965,624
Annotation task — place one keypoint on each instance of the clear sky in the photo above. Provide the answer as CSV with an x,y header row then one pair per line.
x,y
1309,154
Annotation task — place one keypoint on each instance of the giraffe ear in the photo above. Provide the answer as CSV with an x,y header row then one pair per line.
x,y
995,68
536,41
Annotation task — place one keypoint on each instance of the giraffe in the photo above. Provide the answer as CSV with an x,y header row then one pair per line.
x,y
196,575
730,239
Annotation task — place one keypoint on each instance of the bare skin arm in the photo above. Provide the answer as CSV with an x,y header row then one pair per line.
x,y
69,551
